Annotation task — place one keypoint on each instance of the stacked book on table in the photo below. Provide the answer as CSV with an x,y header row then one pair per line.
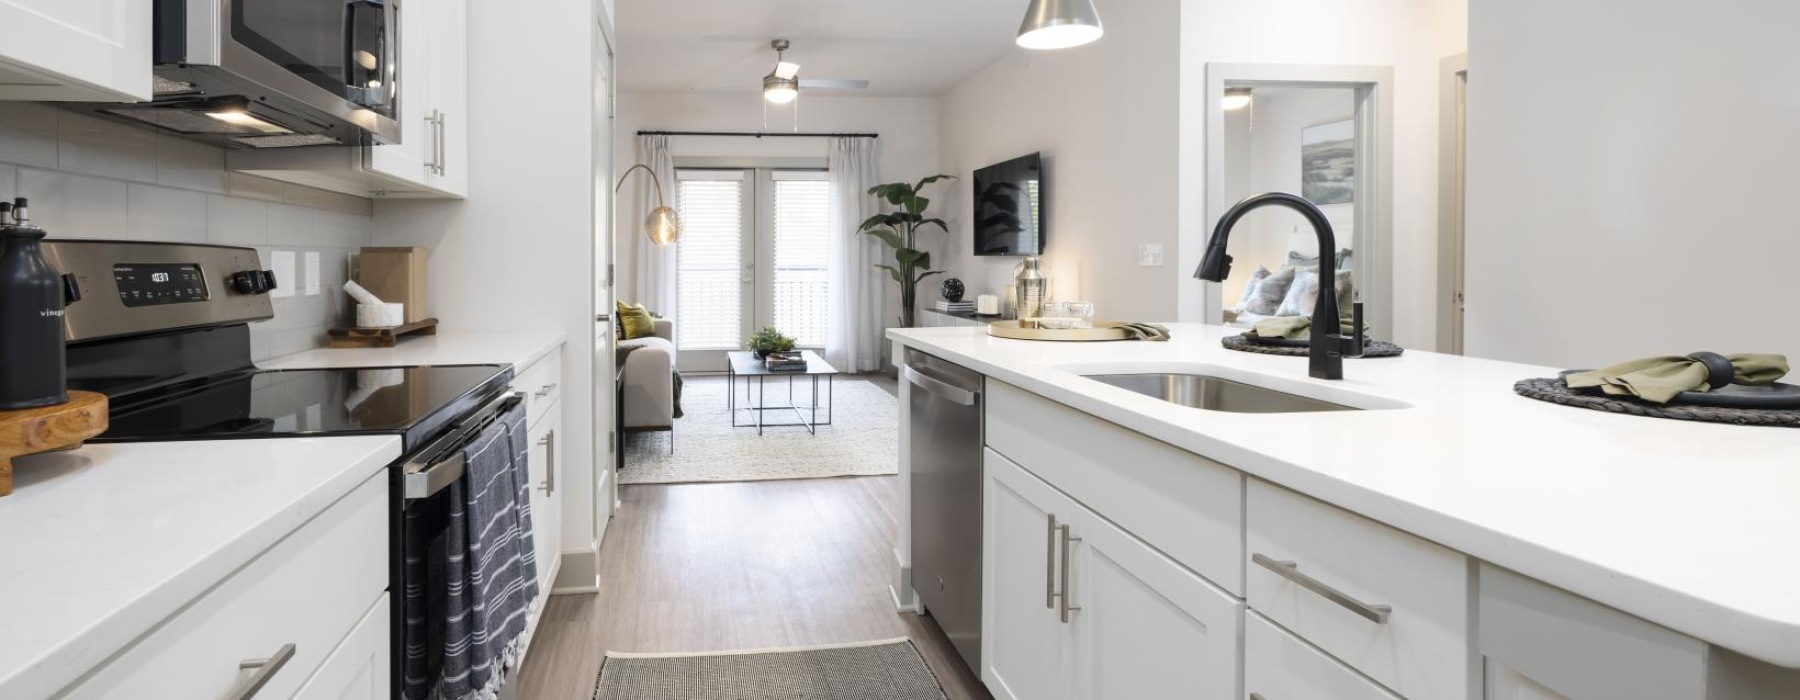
x,y
956,307
785,362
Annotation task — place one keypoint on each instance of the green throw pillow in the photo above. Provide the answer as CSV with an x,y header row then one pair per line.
x,y
635,322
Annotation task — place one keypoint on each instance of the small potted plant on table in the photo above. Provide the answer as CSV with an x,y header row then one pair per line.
x,y
769,340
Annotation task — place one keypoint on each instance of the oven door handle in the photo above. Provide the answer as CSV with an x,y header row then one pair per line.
x,y
424,480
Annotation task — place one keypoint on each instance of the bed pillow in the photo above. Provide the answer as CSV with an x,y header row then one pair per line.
x,y
1270,292
1256,278
1302,295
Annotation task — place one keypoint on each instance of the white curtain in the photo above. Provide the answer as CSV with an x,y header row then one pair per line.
x,y
654,284
854,342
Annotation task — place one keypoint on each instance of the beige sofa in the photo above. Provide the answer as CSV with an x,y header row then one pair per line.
x,y
646,380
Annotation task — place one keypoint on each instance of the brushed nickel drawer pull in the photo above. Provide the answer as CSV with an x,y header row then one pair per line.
x,y
1050,565
265,670
546,389
1257,696
1377,614
1066,541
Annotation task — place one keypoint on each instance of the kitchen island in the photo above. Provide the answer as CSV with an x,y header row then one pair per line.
x,y
1690,527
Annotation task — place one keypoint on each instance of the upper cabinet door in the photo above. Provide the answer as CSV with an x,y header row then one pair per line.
x,y
448,86
96,50
1026,650
411,160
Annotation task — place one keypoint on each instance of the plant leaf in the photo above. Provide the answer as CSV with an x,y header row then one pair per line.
x,y
891,272
876,220
916,205
929,180
926,274
910,257
887,236
935,222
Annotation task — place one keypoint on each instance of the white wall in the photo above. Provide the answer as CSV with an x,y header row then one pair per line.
x,y
908,145
1630,170
518,254
1410,35
1104,116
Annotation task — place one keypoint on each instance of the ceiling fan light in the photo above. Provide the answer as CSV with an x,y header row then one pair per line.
x,y
779,90
786,70
1236,98
1060,24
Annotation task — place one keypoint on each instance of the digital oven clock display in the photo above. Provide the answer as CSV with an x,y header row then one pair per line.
x,y
156,284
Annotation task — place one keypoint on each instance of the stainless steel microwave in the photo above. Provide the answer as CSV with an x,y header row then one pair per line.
x,y
275,73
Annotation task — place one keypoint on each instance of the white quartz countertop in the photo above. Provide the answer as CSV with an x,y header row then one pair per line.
x,y
446,348
101,544
1694,526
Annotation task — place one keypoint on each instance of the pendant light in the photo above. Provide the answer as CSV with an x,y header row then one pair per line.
x,y
1059,24
663,226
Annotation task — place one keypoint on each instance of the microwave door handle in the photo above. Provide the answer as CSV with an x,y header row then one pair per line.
x,y
390,50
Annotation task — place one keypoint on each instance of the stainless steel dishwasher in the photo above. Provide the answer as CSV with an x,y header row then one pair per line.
x,y
946,443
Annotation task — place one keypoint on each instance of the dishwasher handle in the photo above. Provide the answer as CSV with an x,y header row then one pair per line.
x,y
940,388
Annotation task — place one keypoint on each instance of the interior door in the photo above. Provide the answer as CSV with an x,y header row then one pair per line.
x,y
1146,625
607,451
716,269
1026,650
792,249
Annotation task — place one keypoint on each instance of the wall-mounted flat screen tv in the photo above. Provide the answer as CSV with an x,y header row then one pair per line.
x,y
1009,207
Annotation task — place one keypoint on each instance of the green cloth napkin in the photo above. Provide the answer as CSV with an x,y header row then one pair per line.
x,y
1144,331
1295,327
1659,379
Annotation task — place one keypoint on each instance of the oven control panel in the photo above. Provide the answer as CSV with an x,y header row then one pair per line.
x,y
155,284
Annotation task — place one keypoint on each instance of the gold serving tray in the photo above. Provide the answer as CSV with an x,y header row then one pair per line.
x,y
1102,331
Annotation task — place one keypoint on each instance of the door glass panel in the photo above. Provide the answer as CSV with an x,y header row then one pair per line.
x,y
709,286
801,248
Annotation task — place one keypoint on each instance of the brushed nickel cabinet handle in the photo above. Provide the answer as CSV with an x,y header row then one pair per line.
x,y
443,145
1050,565
265,670
431,152
1257,696
1066,541
549,443
546,389
1377,614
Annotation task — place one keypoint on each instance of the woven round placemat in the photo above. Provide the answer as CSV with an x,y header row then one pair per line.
x,y
1371,348
1555,391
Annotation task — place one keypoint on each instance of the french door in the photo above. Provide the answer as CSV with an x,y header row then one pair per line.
x,y
753,253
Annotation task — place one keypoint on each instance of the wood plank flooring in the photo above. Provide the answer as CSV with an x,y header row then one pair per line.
x,y
711,567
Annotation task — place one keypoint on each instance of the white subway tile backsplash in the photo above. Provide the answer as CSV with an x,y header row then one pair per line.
x,y
235,221
9,182
165,214
28,134
75,206
253,187
95,146
189,165
292,225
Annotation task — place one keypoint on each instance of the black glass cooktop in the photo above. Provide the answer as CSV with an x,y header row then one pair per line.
x,y
415,402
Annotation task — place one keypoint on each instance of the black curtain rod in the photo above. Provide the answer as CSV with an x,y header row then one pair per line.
x,y
756,134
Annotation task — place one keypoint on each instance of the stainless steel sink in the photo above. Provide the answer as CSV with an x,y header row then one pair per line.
x,y
1215,394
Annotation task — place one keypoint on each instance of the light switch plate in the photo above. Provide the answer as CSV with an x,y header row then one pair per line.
x,y
1150,255
312,273
282,263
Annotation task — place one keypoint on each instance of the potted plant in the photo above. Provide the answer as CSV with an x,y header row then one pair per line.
x,y
769,340
899,230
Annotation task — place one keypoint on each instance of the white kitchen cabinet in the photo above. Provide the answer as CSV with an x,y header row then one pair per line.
x,y
431,160
1279,666
1026,651
359,668
1075,607
87,50
546,495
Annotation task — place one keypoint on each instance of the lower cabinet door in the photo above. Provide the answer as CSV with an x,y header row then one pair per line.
x,y
1145,626
546,495
361,667
1278,666
1504,683
1026,650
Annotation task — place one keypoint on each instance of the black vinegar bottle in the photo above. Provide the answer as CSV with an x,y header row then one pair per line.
x,y
32,299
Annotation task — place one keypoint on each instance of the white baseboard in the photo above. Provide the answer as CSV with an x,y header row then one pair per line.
x,y
578,573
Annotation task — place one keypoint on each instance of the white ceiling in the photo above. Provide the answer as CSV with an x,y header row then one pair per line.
x,y
905,48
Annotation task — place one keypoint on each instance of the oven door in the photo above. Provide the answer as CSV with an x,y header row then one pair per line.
x,y
341,57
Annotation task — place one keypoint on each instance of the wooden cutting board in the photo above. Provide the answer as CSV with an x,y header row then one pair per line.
x,y
61,427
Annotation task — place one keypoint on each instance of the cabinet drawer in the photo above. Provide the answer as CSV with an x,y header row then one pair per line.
x,y
1390,605
541,383
1278,666
359,669
1186,507
310,590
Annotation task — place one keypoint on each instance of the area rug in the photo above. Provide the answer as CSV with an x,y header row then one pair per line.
x,y
885,670
863,439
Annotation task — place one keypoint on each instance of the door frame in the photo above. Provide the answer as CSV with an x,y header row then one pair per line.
x,y
1453,164
1374,86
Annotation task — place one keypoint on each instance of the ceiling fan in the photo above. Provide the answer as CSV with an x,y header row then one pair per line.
x,y
783,85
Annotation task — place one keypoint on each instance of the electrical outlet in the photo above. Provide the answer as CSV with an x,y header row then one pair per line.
x,y
312,273
1150,255
282,263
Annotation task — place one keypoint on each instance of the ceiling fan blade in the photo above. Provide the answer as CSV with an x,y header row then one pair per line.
x,y
786,71
822,84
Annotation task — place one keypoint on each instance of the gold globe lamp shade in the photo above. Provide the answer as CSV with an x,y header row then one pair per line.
x,y
663,226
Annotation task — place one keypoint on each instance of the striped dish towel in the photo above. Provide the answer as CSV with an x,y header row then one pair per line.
x,y
471,572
